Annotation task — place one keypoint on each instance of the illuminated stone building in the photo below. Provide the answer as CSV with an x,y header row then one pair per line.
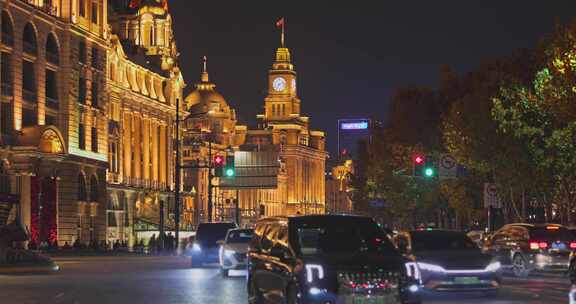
x,y
302,151
209,131
282,131
144,84
53,124
339,187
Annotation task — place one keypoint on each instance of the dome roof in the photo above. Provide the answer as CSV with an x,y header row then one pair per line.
x,y
202,96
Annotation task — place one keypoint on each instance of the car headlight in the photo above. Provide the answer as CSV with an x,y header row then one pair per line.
x,y
229,253
494,266
314,271
196,247
430,267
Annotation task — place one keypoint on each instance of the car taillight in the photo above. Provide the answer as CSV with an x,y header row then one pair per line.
x,y
538,245
573,245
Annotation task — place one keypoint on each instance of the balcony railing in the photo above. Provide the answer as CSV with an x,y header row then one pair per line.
x,y
29,47
52,103
52,58
29,95
7,89
47,7
7,39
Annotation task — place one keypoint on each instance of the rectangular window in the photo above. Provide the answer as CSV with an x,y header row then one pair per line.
x,y
7,88
29,117
82,8
51,120
81,137
95,58
51,90
6,123
95,99
82,90
94,139
28,77
82,52
6,71
95,12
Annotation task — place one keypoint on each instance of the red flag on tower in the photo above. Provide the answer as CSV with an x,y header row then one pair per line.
x,y
133,4
280,23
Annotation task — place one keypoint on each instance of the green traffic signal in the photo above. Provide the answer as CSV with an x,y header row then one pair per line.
x,y
429,172
230,172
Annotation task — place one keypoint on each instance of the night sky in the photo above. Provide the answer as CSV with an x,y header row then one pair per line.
x,y
350,58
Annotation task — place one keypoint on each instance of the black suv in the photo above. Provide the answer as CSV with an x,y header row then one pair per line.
x,y
209,237
326,259
529,247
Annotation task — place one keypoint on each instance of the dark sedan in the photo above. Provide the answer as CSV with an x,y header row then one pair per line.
x,y
449,261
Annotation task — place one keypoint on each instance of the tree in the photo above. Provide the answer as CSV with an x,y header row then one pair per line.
x,y
542,116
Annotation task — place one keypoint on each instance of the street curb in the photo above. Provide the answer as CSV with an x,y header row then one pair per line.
x,y
20,269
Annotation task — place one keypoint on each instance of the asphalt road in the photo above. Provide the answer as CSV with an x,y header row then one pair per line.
x,y
168,280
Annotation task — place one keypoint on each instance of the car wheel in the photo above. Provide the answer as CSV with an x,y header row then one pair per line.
x,y
291,296
572,272
254,295
520,266
224,272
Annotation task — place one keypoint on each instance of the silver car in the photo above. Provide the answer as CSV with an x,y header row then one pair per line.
x,y
233,250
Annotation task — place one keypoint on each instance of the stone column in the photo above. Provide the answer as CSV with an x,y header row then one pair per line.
x,y
127,144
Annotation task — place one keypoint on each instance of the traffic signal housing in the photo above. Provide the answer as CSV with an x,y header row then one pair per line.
x,y
230,168
430,168
218,164
418,161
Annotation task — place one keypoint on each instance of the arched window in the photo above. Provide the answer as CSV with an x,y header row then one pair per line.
x,y
93,189
52,49
82,188
29,39
7,29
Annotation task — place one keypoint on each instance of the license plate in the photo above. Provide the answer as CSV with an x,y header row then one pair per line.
x,y
466,280
374,300
558,246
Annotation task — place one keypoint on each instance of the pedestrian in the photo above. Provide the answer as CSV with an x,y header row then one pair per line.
x,y
169,243
152,244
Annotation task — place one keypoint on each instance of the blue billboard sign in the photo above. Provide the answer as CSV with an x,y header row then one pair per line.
x,y
354,125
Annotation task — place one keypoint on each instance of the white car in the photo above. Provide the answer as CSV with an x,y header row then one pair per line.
x,y
233,250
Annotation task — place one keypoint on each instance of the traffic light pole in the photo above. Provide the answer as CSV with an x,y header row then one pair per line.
x,y
210,177
177,177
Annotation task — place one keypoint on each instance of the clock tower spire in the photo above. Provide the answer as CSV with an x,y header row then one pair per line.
x,y
282,103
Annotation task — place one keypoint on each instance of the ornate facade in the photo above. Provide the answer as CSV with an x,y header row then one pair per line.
x,y
52,116
302,150
281,130
144,85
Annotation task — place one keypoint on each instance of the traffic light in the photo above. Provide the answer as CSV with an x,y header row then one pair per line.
x,y
230,169
418,161
218,164
429,167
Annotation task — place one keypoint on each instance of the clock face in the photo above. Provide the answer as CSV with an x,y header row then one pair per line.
x,y
293,85
279,84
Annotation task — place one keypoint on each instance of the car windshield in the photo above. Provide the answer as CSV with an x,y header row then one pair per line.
x,y
552,234
240,236
441,241
340,235
213,232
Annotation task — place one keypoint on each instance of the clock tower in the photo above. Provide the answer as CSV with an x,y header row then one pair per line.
x,y
282,103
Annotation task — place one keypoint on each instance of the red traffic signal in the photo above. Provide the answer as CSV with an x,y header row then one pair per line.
x,y
218,160
419,159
